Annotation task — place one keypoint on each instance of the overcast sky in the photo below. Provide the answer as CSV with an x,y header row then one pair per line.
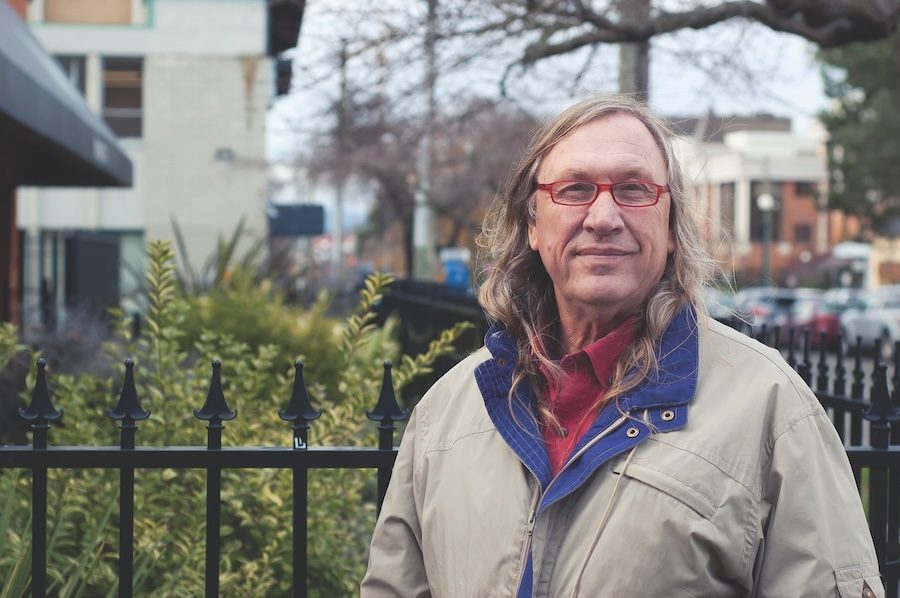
x,y
735,68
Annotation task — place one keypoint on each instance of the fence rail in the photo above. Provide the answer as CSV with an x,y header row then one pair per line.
x,y
868,427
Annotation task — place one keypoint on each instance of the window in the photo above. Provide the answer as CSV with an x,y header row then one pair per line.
x,y
122,95
802,233
87,11
805,189
73,68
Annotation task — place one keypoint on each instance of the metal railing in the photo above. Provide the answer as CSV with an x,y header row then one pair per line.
x,y
127,457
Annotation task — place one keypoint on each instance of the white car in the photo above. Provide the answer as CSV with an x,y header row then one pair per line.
x,y
872,316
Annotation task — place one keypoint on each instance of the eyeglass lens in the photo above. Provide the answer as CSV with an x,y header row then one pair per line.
x,y
581,192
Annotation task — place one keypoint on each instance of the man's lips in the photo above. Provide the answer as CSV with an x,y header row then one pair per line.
x,y
593,252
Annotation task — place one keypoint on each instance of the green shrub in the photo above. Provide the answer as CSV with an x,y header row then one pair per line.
x,y
173,378
9,343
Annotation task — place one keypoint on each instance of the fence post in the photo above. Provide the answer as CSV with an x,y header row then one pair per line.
x,y
822,368
840,371
882,414
792,348
300,412
386,412
128,411
804,368
214,411
859,376
895,397
39,414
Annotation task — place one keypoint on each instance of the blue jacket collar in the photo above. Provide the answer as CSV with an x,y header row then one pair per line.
x,y
671,387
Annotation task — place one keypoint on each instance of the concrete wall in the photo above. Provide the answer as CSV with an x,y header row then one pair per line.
x,y
206,86
204,106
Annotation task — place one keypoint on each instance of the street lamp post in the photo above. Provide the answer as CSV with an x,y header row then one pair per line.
x,y
766,203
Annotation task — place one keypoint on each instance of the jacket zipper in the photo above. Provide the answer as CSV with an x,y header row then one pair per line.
x,y
538,496
529,531
606,431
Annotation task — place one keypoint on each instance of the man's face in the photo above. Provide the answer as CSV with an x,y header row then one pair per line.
x,y
603,258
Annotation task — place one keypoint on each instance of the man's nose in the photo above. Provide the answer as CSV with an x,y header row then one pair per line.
x,y
604,214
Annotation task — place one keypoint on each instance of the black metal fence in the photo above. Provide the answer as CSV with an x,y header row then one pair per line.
x,y
864,410
866,415
127,457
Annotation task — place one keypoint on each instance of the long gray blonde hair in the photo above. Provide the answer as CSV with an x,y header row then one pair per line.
x,y
517,291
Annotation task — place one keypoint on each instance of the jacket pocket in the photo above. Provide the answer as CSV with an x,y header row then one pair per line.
x,y
859,582
692,498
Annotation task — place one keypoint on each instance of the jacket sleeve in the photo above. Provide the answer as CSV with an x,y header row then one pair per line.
x,y
396,566
816,541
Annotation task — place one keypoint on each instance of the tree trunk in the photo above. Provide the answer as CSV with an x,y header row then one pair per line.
x,y
634,58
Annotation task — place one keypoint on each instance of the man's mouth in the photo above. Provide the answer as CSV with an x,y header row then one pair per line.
x,y
603,252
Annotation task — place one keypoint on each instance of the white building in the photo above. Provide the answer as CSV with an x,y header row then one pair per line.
x,y
185,84
741,159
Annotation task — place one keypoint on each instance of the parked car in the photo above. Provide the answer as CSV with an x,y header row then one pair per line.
x,y
871,316
827,317
770,307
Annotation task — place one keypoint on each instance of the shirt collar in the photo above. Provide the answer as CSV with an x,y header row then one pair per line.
x,y
604,352
599,358
674,381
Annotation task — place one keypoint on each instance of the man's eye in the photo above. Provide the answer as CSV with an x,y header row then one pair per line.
x,y
632,188
576,188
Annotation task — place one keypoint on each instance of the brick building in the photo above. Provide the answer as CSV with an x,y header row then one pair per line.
x,y
732,162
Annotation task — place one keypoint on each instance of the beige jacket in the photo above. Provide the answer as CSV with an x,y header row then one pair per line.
x,y
751,495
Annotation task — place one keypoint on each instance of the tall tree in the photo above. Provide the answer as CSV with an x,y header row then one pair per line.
x,y
472,152
864,128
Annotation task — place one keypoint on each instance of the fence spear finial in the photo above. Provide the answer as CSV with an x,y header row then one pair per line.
x,y
299,411
387,410
215,410
128,407
41,409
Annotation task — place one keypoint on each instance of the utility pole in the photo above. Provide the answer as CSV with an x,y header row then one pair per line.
x,y
634,58
337,229
423,267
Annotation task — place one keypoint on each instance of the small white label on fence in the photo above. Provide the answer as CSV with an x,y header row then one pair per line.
x,y
298,443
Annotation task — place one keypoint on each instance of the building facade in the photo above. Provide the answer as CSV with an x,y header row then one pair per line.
x,y
185,86
731,166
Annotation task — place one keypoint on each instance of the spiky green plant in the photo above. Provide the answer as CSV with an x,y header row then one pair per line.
x,y
169,504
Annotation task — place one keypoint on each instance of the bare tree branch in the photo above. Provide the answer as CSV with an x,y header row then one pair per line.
x,y
826,23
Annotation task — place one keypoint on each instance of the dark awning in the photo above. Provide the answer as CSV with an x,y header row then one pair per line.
x,y
51,133
285,17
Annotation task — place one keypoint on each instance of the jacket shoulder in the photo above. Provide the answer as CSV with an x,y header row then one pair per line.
x,y
756,374
453,406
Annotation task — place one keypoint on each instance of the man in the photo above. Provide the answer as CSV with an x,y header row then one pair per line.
x,y
610,439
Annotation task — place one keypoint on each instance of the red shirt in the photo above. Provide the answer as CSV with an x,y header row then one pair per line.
x,y
588,376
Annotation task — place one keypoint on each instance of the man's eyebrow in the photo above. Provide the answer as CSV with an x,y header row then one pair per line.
x,y
577,174
625,174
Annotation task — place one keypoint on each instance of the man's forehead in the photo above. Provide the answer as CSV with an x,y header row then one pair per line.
x,y
633,154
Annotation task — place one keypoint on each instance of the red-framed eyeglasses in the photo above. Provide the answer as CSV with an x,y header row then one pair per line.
x,y
628,194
